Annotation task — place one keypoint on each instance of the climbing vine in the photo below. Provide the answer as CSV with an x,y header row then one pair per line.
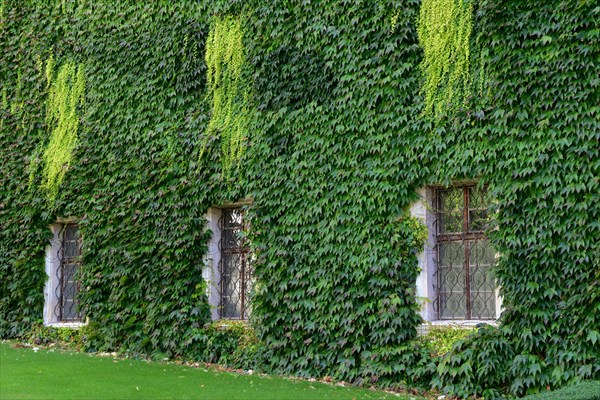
x,y
227,91
66,93
340,149
444,30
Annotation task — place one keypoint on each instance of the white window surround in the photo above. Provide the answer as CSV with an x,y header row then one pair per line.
x,y
426,294
210,272
52,263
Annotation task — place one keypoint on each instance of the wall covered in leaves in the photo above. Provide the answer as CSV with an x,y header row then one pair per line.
x,y
337,149
536,140
329,105
136,182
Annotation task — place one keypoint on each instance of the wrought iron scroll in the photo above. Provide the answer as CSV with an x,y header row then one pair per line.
x,y
235,267
464,256
69,256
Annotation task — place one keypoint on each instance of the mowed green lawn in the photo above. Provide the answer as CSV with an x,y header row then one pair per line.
x,y
47,374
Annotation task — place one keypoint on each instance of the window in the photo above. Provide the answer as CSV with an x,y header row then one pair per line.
x,y
463,256
235,266
63,266
229,263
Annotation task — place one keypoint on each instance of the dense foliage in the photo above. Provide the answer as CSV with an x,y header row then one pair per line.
x,y
134,182
533,137
439,339
444,30
582,391
228,89
338,168
337,144
65,95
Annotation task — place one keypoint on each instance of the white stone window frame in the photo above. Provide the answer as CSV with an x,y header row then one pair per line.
x,y
210,272
426,293
52,264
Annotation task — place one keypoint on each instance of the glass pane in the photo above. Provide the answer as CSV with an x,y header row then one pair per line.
x,y
71,241
232,309
451,280
231,238
478,209
453,306
231,273
69,271
482,258
231,229
70,311
72,249
70,290
450,204
451,254
71,232
231,285
483,305
482,253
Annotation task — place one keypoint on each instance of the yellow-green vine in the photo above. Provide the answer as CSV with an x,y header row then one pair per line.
x,y
4,103
65,95
394,20
444,30
228,93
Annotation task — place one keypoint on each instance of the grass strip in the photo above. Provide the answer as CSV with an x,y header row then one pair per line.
x,y
48,374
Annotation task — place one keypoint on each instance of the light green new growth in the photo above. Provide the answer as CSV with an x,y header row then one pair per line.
x,y
4,104
444,30
394,20
66,93
228,93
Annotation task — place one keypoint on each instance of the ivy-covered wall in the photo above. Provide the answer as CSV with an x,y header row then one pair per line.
x,y
542,147
338,150
135,182
329,104
533,135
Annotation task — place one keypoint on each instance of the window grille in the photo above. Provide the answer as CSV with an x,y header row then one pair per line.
x,y
69,254
464,256
235,267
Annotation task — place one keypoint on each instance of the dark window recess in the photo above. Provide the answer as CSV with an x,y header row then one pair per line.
x,y
235,267
465,286
69,254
